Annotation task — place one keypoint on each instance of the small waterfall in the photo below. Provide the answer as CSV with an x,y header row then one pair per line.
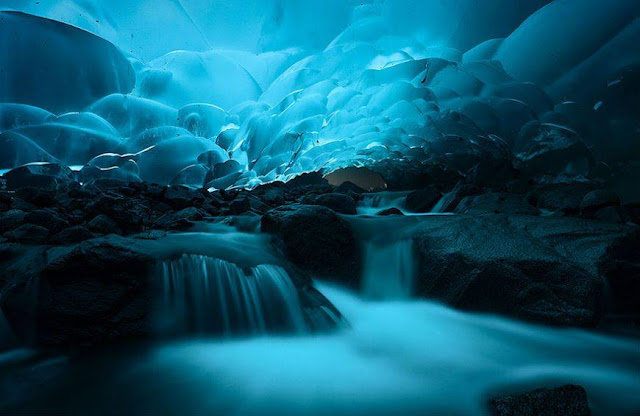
x,y
389,269
205,295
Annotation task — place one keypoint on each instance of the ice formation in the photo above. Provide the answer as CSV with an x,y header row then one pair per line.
x,y
242,93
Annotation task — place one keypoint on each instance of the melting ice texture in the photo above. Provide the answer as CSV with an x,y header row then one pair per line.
x,y
240,93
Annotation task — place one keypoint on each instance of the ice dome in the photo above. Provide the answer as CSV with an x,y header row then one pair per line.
x,y
282,88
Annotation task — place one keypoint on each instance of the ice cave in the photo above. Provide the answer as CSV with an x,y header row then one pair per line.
x,y
320,207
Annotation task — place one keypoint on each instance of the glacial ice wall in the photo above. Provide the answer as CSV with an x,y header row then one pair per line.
x,y
230,93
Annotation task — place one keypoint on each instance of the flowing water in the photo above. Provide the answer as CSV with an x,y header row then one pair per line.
x,y
206,295
396,356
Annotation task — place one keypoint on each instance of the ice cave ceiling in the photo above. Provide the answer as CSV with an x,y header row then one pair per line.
x,y
237,93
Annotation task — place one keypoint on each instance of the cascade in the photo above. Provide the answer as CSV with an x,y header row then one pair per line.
x,y
205,295
389,269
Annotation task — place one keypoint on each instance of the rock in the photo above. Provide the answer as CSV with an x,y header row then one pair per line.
x,y
611,214
180,197
310,178
11,219
390,211
340,203
567,400
493,173
560,197
102,224
39,175
239,205
489,264
72,235
180,220
130,214
349,188
621,267
497,203
548,149
46,218
596,200
315,239
37,196
94,293
450,200
28,234
422,200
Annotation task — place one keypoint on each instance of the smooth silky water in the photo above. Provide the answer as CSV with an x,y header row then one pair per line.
x,y
395,356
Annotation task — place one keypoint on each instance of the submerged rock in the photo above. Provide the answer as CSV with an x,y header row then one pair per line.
x,y
567,400
315,239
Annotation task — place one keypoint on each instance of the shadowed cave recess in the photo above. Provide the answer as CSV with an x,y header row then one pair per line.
x,y
336,207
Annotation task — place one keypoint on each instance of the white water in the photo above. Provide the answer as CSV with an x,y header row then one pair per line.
x,y
207,295
389,270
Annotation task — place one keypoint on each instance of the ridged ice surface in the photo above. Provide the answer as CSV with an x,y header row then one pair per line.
x,y
271,89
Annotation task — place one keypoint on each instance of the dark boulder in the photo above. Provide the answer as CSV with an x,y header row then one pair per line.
x,y
102,224
180,197
180,220
316,239
306,179
548,149
11,219
567,400
72,235
497,203
621,267
37,196
560,197
390,211
422,200
451,199
596,200
46,218
39,175
28,234
340,203
488,264
93,293
130,214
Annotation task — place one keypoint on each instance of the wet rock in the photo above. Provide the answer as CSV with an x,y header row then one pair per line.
x,y
180,197
28,234
340,203
239,205
496,203
548,149
39,175
11,219
180,220
72,235
490,264
37,196
102,224
46,218
567,400
390,211
423,200
450,200
596,200
93,293
310,178
615,215
560,197
621,267
493,173
130,214
316,239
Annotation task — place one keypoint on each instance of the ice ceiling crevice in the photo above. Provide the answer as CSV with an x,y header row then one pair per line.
x,y
229,94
